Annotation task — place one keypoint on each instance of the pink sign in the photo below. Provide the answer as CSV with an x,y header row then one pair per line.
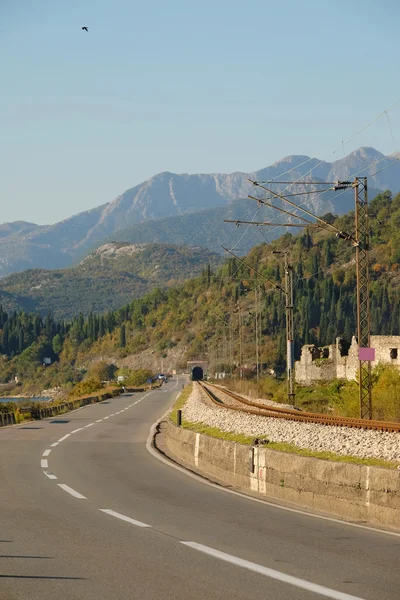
x,y
366,353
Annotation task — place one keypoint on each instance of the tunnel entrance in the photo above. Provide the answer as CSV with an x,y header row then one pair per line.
x,y
197,374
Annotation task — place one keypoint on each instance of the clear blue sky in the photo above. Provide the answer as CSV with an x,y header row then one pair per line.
x,y
181,86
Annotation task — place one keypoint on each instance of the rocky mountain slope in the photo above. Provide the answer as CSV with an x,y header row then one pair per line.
x,y
25,245
106,279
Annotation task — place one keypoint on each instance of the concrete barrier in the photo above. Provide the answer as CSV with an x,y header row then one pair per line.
x,y
352,492
58,409
7,418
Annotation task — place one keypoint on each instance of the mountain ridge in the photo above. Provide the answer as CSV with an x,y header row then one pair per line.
x,y
167,194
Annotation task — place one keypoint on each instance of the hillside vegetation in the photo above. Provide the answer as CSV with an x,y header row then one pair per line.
x,y
105,280
213,316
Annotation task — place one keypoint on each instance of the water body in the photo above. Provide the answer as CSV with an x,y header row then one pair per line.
x,y
10,399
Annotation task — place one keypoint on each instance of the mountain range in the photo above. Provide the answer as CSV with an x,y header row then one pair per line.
x,y
167,195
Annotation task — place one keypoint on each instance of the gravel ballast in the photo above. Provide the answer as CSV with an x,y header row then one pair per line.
x,y
312,436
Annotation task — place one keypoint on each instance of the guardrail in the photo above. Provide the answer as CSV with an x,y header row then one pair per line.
x,y
7,418
58,409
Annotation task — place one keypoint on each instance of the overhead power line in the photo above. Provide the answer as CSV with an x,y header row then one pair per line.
x,y
339,233
280,209
243,262
261,223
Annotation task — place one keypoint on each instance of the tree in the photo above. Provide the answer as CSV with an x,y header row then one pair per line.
x,y
21,340
57,344
328,254
139,377
122,336
5,343
102,371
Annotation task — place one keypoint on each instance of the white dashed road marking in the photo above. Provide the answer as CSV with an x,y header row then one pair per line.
x,y
69,490
271,573
45,465
123,517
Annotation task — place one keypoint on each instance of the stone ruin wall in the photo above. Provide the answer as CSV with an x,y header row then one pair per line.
x,y
340,361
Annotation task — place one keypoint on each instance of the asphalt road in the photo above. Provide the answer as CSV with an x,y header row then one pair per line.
x,y
98,517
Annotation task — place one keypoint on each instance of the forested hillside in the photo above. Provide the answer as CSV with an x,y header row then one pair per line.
x,y
105,280
198,318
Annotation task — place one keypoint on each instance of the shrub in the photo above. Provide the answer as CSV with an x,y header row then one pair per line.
x,y
139,377
85,387
102,371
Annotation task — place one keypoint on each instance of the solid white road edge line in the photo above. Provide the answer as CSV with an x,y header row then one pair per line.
x,y
123,517
271,573
69,490
46,452
44,464
49,475
154,452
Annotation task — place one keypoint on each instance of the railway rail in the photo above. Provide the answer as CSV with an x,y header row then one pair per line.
x,y
289,414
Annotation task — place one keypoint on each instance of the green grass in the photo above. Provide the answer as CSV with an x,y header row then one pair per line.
x,y
229,436
292,449
180,402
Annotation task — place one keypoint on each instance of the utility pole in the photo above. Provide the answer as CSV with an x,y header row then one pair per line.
x,y
240,344
256,292
272,283
361,244
289,302
363,309
289,330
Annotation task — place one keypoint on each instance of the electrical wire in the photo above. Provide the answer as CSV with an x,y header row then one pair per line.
x,y
387,166
343,142
391,131
337,196
246,230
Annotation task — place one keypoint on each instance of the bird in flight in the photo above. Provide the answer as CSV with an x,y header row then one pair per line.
x,y
85,29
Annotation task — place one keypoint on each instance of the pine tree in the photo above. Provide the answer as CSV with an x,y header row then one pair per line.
x,y
122,336
5,342
21,341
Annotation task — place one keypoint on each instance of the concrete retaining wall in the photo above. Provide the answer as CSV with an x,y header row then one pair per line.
x,y
353,492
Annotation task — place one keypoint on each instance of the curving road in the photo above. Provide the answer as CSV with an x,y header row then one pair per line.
x,y
87,513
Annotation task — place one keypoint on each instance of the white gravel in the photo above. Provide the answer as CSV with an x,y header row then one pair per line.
x,y
341,440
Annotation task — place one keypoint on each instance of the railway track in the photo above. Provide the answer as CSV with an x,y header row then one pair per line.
x,y
288,414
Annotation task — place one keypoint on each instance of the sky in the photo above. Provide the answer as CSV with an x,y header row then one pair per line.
x,y
211,86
